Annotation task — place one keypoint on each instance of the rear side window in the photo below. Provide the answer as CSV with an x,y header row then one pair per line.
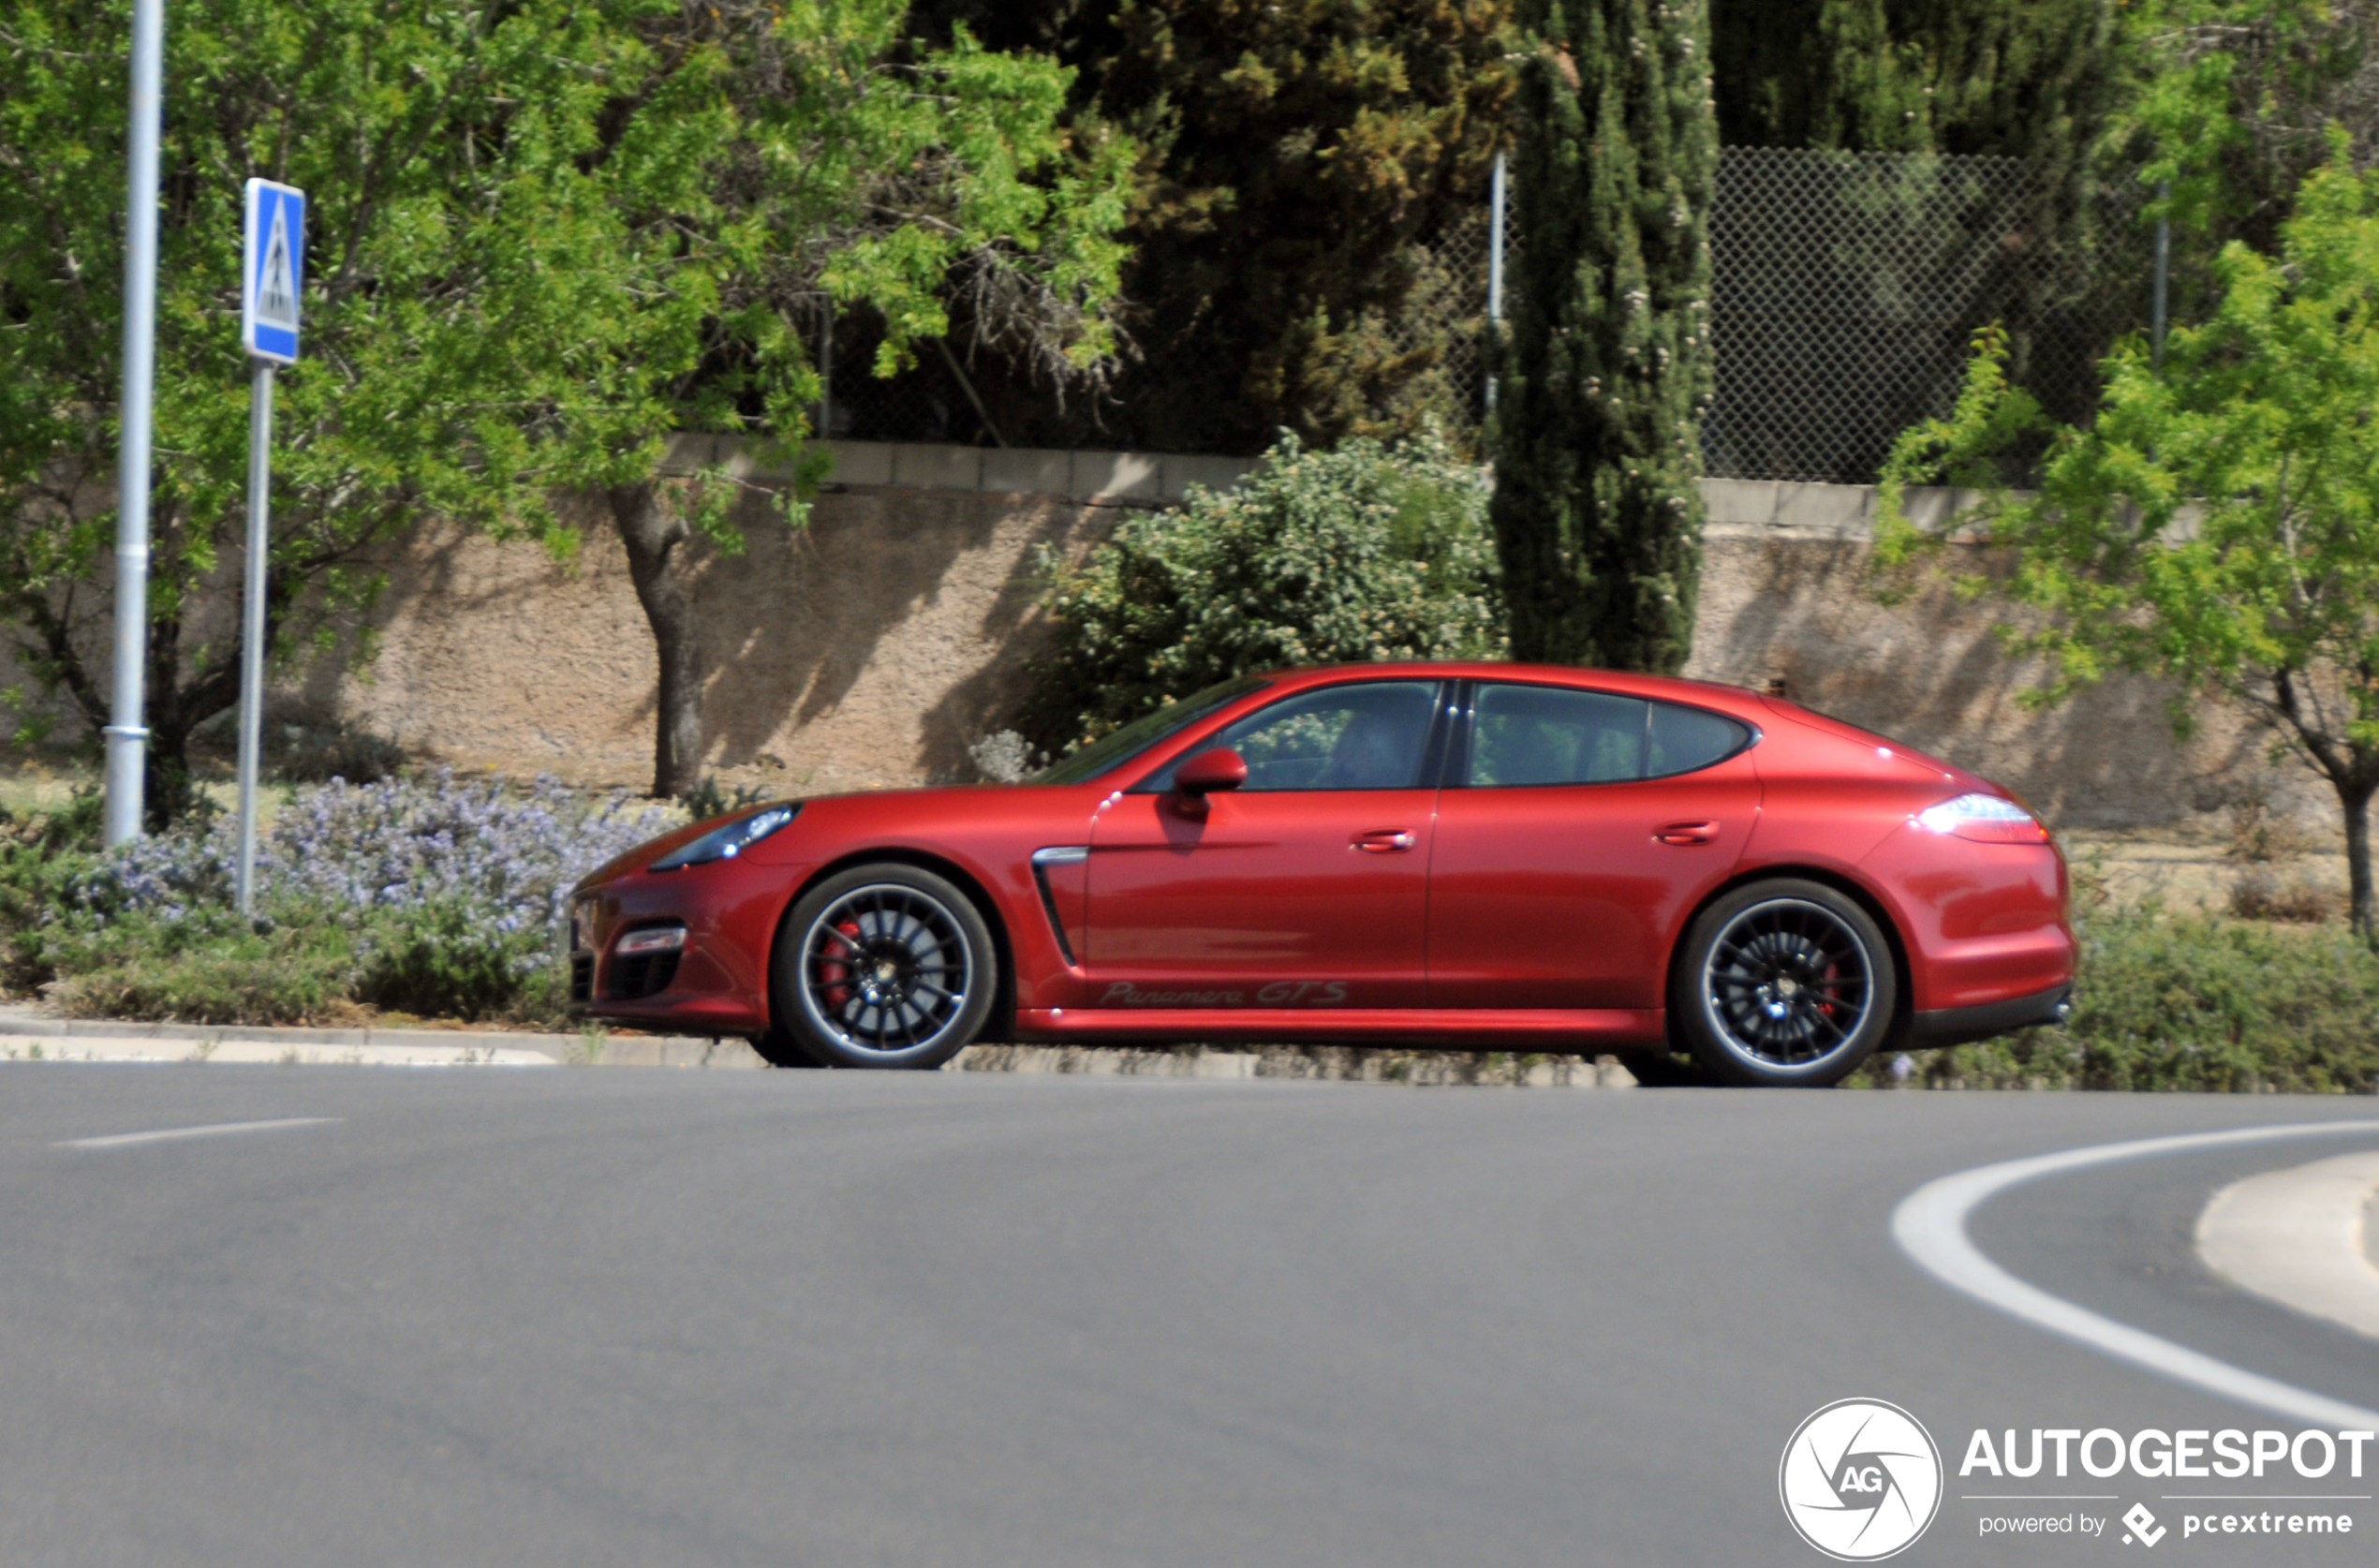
x,y
1684,739
1547,734
1550,734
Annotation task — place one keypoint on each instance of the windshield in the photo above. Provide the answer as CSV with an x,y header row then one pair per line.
x,y
1112,750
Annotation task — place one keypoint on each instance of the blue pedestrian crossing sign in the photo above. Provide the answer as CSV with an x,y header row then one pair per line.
x,y
272,271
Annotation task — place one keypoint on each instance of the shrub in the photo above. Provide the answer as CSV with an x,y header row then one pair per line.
x,y
2191,1004
2297,900
206,970
439,896
1366,552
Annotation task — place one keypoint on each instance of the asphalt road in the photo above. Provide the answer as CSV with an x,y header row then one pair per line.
x,y
580,1317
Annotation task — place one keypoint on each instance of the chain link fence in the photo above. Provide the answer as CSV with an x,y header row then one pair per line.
x,y
1845,290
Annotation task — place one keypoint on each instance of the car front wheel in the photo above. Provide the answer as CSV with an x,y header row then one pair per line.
x,y
881,965
1783,983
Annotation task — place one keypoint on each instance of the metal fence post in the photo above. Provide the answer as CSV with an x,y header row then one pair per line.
x,y
1495,270
129,736
2163,270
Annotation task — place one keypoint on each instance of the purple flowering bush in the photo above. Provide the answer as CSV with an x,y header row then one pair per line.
x,y
435,895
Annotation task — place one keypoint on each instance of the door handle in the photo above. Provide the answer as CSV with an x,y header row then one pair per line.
x,y
1688,833
1384,841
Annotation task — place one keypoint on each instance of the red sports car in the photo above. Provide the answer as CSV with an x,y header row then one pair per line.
x,y
1465,855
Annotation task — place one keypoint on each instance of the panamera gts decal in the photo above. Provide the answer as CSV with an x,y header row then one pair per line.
x,y
1279,993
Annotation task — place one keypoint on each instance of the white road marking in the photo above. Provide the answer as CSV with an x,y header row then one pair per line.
x,y
1930,1224
217,1130
2296,1237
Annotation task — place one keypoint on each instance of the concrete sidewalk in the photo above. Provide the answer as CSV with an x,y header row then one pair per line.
x,y
28,1035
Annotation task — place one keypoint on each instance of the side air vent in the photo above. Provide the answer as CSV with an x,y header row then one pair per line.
x,y
1059,856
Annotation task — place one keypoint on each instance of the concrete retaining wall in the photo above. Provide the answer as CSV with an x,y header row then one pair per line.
x,y
871,649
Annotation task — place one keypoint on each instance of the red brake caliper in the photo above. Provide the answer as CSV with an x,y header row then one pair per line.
x,y
835,973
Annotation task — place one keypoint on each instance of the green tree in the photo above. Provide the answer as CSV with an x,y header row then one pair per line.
x,y
2032,81
1598,507
447,369
2233,107
545,237
1297,162
2218,522
842,165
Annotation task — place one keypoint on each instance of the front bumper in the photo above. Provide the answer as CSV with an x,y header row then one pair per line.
x,y
1959,1026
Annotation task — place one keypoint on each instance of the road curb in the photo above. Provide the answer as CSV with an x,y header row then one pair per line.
x,y
2296,1237
100,1040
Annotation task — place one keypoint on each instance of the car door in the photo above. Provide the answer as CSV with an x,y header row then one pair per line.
x,y
1576,829
1307,887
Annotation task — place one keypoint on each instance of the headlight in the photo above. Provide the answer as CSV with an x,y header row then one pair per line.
x,y
1984,819
726,843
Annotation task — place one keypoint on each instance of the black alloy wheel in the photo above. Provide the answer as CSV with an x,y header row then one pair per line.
x,y
880,967
1783,983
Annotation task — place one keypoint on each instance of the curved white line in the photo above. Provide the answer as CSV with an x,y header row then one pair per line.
x,y
1930,1224
214,1130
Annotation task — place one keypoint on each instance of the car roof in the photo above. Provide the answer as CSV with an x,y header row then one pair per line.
x,y
1731,699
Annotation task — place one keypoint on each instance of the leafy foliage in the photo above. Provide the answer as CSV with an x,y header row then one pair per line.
x,y
2218,522
1297,160
464,262
2032,81
2234,105
1368,553
439,896
2193,1005
1598,503
544,236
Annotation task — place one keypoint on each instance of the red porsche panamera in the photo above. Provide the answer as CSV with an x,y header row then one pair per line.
x,y
1461,855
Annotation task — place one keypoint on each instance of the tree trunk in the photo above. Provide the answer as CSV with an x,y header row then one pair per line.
x,y
656,541
1598,503
2356,799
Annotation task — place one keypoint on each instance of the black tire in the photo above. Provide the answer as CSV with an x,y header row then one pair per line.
x,y
778,1048
881,965
1783,983
1660,1068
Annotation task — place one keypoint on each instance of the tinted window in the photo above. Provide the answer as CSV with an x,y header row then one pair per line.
x,y
1373,735
1118,746
1550,734
1684,739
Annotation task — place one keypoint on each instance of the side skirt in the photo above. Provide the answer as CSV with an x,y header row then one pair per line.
x,y
1468,1028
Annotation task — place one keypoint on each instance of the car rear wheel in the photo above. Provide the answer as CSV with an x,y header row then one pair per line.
x,y
884,966
1783,983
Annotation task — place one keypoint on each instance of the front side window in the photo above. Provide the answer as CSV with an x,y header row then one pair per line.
x,y
1118,746
1550,734
1370,735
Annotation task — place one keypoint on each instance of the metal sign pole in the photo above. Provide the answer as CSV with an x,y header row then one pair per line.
x,y
252,627
272,269
128,736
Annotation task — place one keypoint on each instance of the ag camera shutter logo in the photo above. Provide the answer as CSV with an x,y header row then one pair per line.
x,y
1861,1480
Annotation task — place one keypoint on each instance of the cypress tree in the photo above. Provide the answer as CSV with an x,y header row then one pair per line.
x,y
1598,507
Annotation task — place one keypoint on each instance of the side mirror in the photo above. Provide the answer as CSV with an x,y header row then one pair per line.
x,y
1208,771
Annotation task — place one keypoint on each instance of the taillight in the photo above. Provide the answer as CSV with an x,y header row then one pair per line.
x,y
1984,819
